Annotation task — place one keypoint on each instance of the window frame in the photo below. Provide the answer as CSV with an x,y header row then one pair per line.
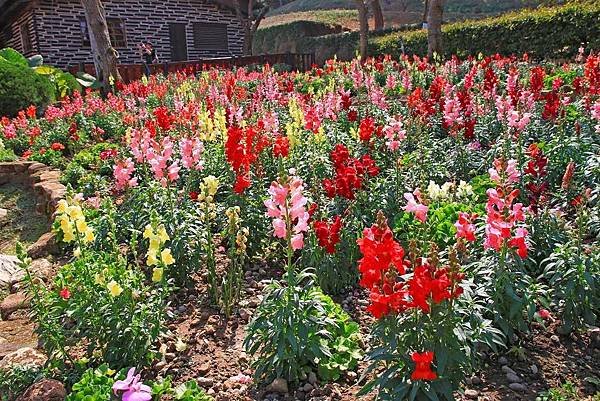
x,y
25,37
111,23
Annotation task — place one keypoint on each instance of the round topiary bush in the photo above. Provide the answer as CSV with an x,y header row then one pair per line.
x,y
21,87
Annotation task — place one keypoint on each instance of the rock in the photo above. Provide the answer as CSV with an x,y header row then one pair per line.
x,y
205,382
554,338
518,387
11,303
42,268
278,385
506,369
3,214
307,387
44,390
312,378
470,393
476,380
534,369
502,360
182,309
204,368
513,378
10,272
45,245
26,356
595,338
244,314
351,375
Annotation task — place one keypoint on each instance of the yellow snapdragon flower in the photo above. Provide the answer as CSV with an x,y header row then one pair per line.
x,y
114,288
157,274
167,257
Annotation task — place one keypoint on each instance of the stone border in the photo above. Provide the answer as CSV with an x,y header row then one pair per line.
x,y
43,180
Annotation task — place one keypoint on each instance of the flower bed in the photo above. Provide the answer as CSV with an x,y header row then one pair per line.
x,y
462,198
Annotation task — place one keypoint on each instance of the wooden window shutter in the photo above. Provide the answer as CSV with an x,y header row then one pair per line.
x,y
210,36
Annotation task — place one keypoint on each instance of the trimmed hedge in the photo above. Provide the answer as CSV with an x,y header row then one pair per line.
x,y
284,38
21,87
549,32
552,33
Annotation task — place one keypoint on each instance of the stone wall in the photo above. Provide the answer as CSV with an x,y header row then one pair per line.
x,y
43,180
61,41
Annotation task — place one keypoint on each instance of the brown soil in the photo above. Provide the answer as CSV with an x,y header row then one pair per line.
x,y
16,333
215,353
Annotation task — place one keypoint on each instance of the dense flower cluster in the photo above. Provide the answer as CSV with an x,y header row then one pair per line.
x,y
502,215
382,267
350,173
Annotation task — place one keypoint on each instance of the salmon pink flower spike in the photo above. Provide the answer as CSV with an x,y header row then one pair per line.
x,y
133,389
287,206
122,172
418,209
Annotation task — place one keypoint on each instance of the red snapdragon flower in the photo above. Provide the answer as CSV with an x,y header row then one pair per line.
x,y
281,147
328,234
164,118
57,146
366,129
423,361
65,293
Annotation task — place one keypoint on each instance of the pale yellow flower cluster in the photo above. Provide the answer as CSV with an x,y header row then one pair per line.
x,y
157,238
296,124
72,223
206,197
233,215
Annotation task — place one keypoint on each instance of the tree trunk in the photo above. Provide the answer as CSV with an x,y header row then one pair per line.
x,y
377,14
434,27
425,13
364,28
105,56
247,50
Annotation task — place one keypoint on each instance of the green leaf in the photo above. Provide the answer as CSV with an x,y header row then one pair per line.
x,y
14,57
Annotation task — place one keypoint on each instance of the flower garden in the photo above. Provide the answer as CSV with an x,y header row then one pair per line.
x,y
393,227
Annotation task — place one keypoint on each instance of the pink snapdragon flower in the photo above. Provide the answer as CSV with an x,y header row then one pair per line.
x,y
413,206
464,228
287,206
191,151
123,171
133,389
395,133
511,173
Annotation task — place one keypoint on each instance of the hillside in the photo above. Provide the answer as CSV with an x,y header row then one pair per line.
x,y
396,12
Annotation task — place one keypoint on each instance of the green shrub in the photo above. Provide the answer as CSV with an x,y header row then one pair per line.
x,y
555,32
21,87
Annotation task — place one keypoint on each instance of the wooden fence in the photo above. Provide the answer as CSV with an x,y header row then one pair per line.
x,y
132,72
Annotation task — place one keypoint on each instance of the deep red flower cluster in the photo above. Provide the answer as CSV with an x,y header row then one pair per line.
x,y
366,129
241,150
281,147
382,267
536,170
350,173
328,234
108,154
164,118
57,146
423,361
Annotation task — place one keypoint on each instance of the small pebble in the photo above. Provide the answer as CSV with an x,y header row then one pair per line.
x,y
554,338
534,369
512,378
518,387
470,393
502,360
507,369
